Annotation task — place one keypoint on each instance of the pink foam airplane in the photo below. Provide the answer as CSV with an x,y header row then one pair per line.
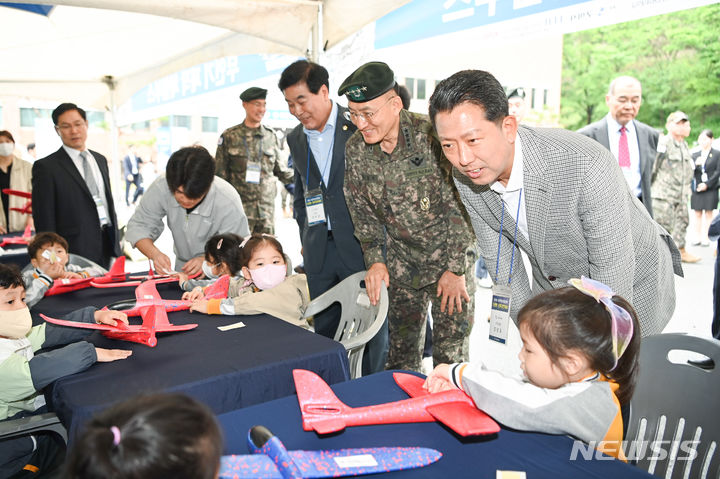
x,y
152,308
23,239
219,289
324,413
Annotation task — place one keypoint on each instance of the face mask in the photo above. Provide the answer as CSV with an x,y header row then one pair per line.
x,y
207,270
15,324
6,149
268,276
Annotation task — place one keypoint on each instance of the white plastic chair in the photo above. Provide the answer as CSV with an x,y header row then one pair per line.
x,y
674,427
359,321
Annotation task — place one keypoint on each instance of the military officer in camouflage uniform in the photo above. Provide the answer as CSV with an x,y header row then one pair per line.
x,y
671,178
248,157
403,199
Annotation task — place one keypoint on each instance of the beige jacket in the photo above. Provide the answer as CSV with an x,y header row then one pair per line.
x,y
20,179
286,301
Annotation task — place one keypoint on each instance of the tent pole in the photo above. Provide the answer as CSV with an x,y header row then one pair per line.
x,y
317,34
110,82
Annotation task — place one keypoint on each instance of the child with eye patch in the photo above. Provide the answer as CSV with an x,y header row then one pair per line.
x,y
265,285
49,258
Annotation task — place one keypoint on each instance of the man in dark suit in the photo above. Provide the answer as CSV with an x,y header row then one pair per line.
x,y
330,250
71,191
131,172
633,143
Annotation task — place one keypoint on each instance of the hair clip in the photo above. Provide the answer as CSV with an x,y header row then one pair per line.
x,y
219,243
622,323
116,435
244,242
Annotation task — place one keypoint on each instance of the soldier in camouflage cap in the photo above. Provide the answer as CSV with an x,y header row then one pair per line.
x,y
672,175
404,200
248,157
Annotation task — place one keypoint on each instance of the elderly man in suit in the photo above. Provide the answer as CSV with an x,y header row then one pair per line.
x,y
71,191
632,142
331,252
574,212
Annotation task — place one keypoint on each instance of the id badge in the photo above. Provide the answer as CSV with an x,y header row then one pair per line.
x,y
500,314
704,177
101,210
252,173
314,207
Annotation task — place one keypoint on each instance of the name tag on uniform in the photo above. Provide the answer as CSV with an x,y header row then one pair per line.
x,y
500,314
252,173
314,207
102,211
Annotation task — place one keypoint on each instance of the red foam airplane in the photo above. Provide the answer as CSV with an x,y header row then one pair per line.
x,y
23,239
25,209
219,289
115,275
324,413
153,311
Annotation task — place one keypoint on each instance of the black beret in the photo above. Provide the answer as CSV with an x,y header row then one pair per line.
x,y
253,93
519,92
367,82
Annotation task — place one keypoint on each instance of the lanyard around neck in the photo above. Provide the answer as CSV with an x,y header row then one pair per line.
x,y
327,163
512,257
247,148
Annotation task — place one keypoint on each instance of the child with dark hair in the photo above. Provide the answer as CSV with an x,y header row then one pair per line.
x,y
265,285
49,257
222,256
579,361
23,374
161,435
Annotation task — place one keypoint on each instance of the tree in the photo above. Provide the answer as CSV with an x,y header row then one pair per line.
x,y
675,56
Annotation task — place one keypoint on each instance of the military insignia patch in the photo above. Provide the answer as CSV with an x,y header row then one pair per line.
x,y
425,203
417,161
355,93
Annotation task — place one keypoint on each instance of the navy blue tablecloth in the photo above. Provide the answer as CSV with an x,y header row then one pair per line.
x,y
225,370
539,455
14,253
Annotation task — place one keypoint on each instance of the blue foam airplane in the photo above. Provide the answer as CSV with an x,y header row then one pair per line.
x,y
270,459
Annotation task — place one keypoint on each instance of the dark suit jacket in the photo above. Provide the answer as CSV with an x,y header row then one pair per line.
x,y
314,238
712,169
62,203
128,166
647,146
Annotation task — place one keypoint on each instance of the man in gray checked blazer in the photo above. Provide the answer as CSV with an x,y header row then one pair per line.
x,y
575,212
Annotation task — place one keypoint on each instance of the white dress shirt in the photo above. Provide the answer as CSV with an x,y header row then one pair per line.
x,y
78,162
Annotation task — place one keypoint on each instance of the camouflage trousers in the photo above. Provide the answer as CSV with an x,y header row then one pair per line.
x,y
266,224
673,216
407,318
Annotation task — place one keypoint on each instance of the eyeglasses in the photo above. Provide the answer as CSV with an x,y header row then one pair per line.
x,y
69,126
368,115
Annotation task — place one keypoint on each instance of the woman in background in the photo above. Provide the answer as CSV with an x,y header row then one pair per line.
x,y
15,174
704,197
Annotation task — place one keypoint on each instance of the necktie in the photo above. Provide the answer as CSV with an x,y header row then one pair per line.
x,y
623,150
94,191
88,174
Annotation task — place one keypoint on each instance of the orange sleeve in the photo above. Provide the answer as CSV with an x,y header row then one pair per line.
x,y
213,306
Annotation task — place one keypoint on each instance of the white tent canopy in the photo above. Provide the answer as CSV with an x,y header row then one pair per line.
x,y
85,46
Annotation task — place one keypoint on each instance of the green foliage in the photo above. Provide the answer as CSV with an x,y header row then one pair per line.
x,y
675,56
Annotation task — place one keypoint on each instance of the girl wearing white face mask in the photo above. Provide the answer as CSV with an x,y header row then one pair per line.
x,y
265,286
222,257
15,174
23,373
